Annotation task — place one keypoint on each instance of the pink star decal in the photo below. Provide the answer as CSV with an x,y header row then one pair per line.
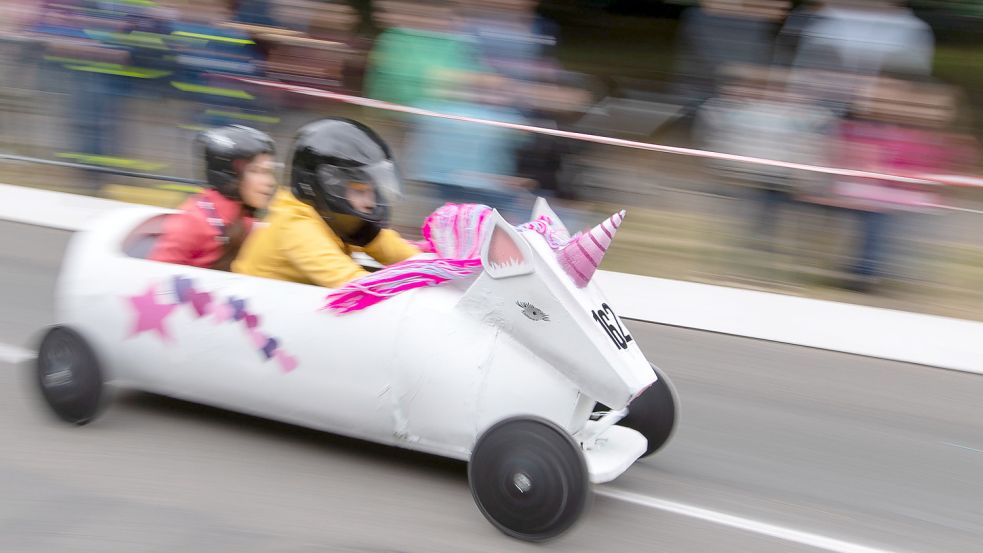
x,y
150,314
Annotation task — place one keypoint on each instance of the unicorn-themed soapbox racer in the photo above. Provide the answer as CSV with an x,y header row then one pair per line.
x,y
505,354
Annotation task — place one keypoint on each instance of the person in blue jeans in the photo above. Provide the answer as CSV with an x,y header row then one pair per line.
x,y
97,64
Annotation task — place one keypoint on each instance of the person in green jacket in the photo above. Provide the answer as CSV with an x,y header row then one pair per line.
x,y
421,43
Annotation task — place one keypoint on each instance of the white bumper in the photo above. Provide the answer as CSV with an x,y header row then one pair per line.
x,y
613,452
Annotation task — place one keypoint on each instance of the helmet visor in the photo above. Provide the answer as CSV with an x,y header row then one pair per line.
x,y
386,179
382,177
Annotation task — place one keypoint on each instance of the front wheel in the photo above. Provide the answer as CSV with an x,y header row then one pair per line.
x,y
654,414
69,376
529,478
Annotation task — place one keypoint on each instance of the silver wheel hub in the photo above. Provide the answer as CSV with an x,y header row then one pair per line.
x,y
522,482
59,370
58,378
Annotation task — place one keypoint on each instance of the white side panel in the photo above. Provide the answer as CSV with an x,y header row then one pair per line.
x,y
518,383
440,360
327,370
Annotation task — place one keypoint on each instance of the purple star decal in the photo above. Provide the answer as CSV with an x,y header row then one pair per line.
x,y
150,314
183,288
270,347
238,308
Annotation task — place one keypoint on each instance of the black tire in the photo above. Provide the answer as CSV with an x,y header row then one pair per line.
x,y
654,414
529,478
69,376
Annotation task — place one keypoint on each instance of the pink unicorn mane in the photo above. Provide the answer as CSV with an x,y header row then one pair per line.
x,y
454,232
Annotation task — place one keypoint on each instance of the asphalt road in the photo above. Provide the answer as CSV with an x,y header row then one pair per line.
x,y
780,449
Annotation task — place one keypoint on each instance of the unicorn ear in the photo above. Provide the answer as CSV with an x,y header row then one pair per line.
x,y
543,209
504,252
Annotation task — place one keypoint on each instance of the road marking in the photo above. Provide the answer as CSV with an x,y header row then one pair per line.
x,y
964,447
14,354
772,530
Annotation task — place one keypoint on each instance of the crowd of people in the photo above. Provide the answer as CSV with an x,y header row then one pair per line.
x,y
841,83
485,59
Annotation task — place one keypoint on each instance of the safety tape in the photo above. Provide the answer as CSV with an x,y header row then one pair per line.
x,y
925,179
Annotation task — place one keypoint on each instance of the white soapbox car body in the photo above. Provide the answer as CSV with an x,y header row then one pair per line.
x,y
531,379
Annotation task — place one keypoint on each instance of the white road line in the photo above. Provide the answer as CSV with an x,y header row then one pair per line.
x,y
964,447
772,530
14,354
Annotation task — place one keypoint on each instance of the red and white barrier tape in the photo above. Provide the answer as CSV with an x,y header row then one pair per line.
x,y
952,180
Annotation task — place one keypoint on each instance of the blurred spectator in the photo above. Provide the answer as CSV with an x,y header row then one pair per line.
x,y
96,50
758,114
323,51
15,17
552,106
511,38
255,12
17,49
207,51
897,126
316,18
844,39
788,40
420,41
866,37
468,162
722,32
516,42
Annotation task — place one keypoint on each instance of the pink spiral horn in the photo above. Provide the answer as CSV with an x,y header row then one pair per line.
x,y
581,257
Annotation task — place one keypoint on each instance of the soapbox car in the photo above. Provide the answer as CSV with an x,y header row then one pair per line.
x,y
525,374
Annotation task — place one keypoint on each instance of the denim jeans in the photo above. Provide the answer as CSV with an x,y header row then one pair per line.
x,y
874,244
96,112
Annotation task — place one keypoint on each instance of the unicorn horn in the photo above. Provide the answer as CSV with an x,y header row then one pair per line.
x,y
581,257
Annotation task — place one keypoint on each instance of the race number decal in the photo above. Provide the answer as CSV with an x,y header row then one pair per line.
x,y
604,317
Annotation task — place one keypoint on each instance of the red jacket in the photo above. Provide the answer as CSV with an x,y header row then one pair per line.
x,y
189,238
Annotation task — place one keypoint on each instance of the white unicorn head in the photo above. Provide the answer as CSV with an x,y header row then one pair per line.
x,y
540,289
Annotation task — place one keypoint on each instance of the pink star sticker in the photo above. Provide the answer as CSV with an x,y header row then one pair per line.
x,y
150,314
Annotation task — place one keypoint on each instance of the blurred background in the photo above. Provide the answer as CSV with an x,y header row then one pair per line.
x,y
887,87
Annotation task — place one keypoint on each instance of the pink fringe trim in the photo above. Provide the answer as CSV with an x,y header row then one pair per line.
x,y
454,232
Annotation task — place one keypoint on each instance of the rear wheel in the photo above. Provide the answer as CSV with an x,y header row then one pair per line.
x,y
529,478
69,376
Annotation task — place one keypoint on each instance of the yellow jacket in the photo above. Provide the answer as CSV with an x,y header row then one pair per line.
x,y
298,245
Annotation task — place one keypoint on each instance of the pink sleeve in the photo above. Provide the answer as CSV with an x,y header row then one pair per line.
x,y
181,241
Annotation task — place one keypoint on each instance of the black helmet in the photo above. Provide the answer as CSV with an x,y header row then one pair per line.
x,y
330,153
222,147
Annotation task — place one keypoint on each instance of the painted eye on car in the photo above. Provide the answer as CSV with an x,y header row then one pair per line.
x,y
532,312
